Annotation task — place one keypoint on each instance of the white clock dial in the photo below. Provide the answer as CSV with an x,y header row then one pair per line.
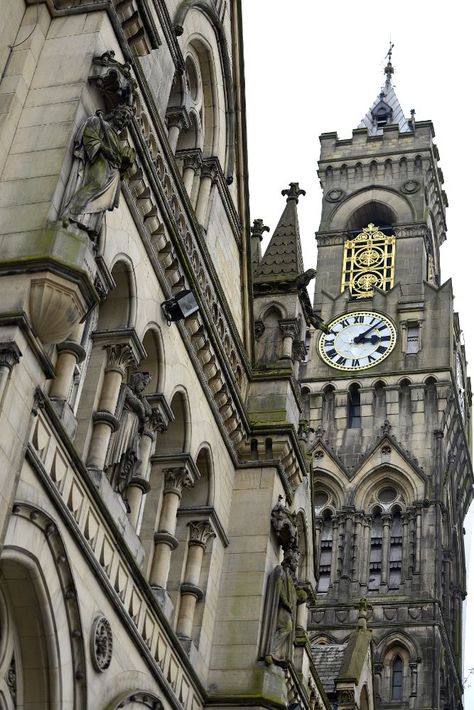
x,y
358,340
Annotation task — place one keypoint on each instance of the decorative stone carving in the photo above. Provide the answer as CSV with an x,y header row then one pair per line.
x,y
200,532
9,354
259,328
386,427
100,160
299,350
101,644
289,328
258,228
410,187
134,414
11,679
119,357
283,594
334,195
176,479
114,80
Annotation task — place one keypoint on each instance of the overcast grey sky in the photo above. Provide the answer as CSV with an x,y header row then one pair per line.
x,y
314,67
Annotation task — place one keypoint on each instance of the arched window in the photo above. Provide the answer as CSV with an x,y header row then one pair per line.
x,y
397,678
327,410
395,559
380,409
353,407
375,565
325,555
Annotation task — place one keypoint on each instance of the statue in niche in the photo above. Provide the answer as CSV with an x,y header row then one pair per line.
x,y
100,160
133,412
283,594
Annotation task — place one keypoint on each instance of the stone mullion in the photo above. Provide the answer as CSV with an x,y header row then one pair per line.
x,y
341,524
365,556
384,571
417,540
200,533
357,547
165,541
119,357
348,546
405,547
318,524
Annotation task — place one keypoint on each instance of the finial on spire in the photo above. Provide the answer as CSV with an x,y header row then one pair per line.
x,y
389,70
294,192
258,228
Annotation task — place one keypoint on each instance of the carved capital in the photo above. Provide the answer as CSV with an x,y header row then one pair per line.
x,y
289,328
259,328
210,168
200,532
191,158
177,116
9,354
119,357
155,423
176,479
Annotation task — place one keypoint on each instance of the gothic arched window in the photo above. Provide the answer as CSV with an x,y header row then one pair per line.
x,y
375,565
353,407
325,556
397,679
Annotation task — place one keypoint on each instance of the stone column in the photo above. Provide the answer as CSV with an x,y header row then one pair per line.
x,y
70,353
177,119
384,571
176,479
9,357
414,678
139,485
418,540
200,533
119,357
289,328
208,178
191,165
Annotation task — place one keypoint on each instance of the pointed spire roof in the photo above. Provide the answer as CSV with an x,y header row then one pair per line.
x,y
283,260
386,108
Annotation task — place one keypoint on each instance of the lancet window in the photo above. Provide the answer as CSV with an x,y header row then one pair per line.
x,y
369,261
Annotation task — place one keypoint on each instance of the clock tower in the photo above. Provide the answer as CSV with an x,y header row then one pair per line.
x,y
388,398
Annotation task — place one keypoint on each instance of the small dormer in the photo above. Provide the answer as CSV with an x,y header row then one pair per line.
x,y
382,113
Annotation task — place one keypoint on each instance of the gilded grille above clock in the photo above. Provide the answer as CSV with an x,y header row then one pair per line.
x,y
369,261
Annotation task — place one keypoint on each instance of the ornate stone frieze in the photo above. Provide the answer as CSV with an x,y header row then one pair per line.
x,y
101,644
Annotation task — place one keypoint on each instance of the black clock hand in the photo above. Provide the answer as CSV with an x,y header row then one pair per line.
x,y
360,337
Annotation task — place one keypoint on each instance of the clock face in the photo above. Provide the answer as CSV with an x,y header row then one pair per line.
x,y
358,340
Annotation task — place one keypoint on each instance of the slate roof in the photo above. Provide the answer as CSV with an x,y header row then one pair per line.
x,y
387,96
283,260
328,659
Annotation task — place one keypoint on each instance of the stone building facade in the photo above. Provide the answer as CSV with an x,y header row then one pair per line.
x,y
198,506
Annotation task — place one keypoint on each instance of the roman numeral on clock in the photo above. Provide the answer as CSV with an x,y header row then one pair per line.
x,y
355,363
341,360
331,353
358,319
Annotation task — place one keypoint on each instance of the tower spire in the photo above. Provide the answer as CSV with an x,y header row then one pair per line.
x,y
389,70
386,109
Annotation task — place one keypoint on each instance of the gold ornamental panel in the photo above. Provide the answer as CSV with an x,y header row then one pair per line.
x,y
369,261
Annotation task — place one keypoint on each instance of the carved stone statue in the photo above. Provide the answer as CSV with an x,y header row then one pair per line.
x,y
134,411
280,610
100,160
283,594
